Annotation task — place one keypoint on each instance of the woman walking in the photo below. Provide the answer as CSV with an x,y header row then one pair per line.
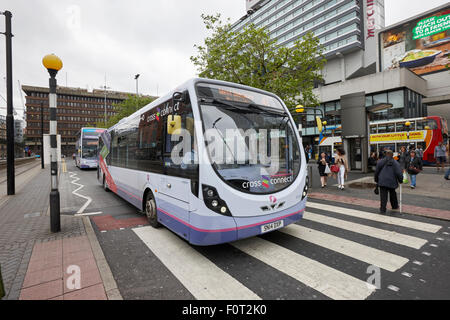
x,y
323,163
413,165
342,163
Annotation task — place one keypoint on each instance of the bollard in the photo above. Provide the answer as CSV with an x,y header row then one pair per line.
x,y
2,288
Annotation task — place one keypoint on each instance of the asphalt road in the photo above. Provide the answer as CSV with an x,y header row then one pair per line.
x,y
330,254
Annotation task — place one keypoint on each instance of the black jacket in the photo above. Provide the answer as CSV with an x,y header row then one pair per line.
x,y
416,162
388,173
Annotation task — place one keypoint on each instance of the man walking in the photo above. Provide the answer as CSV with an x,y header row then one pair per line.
x,y
388,175
440,153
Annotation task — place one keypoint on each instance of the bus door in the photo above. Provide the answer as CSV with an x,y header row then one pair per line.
x,y
180,171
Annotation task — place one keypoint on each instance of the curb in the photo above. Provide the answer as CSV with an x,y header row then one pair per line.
x,y
110,285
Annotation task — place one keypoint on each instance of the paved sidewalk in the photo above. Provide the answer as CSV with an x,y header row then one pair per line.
x,y
63,269
34,261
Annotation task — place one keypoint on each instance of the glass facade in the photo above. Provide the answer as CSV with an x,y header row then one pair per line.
x,y
406,104
336,23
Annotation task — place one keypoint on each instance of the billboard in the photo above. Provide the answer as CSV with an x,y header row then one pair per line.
x,y
422,45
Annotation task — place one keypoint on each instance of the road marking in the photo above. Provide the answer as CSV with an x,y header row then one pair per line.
x,y
372,256
376,217
393,288
446,233
406,274
423,281
418,263
88,214
75,192
434,245
426,254
330,282
386,235
203,279
440,239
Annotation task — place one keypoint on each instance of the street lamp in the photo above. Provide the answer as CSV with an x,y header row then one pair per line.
x,y
136,77
53,64
11,185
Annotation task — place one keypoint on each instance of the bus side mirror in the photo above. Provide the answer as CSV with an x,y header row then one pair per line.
x,y
179,97
173,124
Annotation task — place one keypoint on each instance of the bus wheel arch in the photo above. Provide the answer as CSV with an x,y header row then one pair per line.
x,y
150,209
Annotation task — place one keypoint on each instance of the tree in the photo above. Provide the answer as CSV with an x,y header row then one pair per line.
x,y
125,109
252,58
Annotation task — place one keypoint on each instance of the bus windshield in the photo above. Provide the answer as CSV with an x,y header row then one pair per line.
x,y
250,139
89,149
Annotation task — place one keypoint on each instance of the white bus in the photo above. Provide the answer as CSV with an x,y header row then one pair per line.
x,y
166,160
86,148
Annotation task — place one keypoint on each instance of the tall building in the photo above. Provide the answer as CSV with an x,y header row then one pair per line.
x,y
345,28
76,108
404,66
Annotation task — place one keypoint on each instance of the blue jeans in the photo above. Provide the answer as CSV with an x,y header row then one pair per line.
x,y
447,174
413,179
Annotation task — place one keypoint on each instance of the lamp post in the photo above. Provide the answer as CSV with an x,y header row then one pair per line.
x,y
136,77
408,129
42,136
53,64
11,185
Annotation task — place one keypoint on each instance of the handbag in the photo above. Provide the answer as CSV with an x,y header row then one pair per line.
x,y
414,170
327,169
334,168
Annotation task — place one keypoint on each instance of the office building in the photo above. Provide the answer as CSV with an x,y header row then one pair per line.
x,y
76,108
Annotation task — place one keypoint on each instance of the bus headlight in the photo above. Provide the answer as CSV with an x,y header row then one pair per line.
x,y
306,188
214,202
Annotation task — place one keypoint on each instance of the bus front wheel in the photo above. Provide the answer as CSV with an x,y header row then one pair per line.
x,y
151,211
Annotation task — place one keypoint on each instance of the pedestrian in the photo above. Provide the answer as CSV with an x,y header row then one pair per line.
x,y
413,165
373,160
342,163
324,168
440,153
419,152
388,175
447,174
307,153
403,154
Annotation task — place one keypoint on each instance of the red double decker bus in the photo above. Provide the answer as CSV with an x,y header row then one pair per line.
x,y
427,132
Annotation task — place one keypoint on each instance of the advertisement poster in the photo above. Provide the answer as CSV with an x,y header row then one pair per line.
x,y
422,45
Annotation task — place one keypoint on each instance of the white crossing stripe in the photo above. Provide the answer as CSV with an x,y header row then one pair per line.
x,y
377,217
390,236
203,279
330,282
393,288
372,256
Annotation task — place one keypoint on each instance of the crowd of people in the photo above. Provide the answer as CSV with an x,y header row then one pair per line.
x,y
389,172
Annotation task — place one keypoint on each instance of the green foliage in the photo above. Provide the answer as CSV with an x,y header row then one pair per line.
x,y
252,58
125,109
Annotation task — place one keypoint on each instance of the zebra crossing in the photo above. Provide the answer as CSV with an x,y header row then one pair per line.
x,y
207,278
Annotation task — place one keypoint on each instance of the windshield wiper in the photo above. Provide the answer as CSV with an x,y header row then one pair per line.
x,y
267,110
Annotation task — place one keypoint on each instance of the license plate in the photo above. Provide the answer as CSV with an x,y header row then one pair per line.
x,y
272,226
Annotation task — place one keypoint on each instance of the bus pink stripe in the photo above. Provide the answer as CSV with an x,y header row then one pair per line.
x,y
230,229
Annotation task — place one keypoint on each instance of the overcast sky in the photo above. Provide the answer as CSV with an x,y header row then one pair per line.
x,y
121,38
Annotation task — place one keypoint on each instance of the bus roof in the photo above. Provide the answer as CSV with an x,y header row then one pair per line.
x,y
183,87
372,123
